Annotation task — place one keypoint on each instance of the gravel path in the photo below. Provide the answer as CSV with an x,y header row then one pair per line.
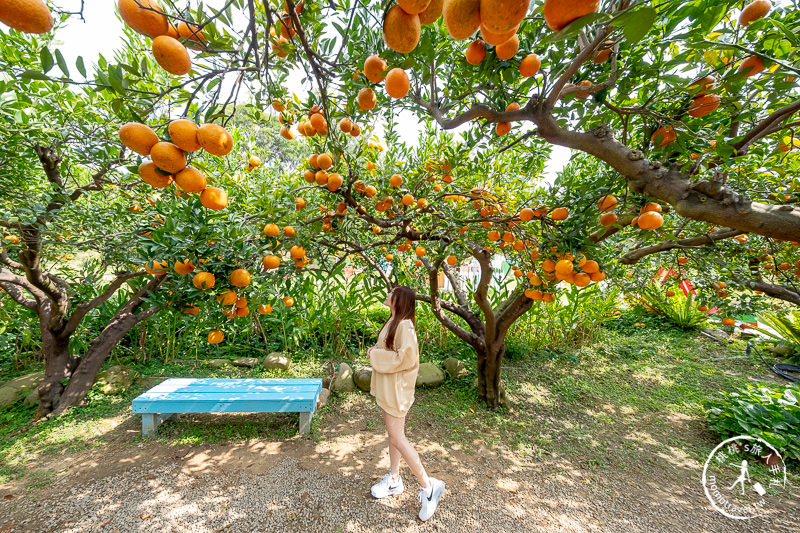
x,y
310,492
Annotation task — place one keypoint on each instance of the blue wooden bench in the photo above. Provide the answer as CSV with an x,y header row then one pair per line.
x,y
187,395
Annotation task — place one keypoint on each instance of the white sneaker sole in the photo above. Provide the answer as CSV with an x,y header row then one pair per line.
x,y
438,492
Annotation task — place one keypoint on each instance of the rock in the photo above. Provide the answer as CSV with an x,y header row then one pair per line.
x,y
780,349
717,333
454,367
326,382
323,398
19,387
114,380
363,378
32,398
429,375
150,381
217,363
277,360
248,362
343,381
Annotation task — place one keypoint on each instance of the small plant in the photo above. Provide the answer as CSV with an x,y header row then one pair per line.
x,y
785,329
674,305
771,413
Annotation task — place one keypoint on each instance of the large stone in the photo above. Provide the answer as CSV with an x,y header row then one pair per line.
x,y
217,363
148,382
247,362
363,378
429,375
780,349
323,397
114,380
716,333
454,367
343,381
277,360
19,387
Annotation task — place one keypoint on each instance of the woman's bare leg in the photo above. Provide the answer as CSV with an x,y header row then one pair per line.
x,y
395,428
394,460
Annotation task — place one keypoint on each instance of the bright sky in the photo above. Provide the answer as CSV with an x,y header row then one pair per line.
x,y
102,33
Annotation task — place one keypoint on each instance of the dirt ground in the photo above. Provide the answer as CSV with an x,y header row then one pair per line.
x,y
322,484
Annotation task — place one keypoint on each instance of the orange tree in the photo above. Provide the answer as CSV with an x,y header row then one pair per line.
x,y
685,105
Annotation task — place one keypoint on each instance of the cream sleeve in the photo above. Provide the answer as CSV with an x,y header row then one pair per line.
x,y
403,358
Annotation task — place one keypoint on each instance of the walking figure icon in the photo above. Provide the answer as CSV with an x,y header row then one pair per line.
x,y
744,473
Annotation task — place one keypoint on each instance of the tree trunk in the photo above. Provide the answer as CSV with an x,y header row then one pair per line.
x,y
55,352
490,362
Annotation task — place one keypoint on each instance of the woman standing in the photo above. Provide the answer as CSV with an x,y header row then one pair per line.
x,y
395,363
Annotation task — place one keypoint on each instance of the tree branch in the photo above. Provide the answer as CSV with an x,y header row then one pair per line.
x,y
634,256
83,308
776,291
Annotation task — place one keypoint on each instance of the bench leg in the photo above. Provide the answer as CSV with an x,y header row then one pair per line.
x,y
305,422
151,421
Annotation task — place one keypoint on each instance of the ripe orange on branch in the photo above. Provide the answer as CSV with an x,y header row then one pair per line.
x,y
214,198
27,16
138,137
475,53
215,139
559,13
171,55
204,280
431,13
461,17
704,105
401,30
152,176
508,49
501,16
191,180
529,65
374,66
144,16
168,157
397,83
754,11
183,134
240,278
366,99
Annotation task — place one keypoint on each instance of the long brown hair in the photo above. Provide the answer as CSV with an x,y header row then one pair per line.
x,y
404,306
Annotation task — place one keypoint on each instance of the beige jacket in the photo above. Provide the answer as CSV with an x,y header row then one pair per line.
x,y
394,372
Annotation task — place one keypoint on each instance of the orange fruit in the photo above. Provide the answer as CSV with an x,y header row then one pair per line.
x,y
413,7
508,49
159,268
664,135
151,175
496,39
650,206
242,311
751,66
183,267
272,230
702,86
475,53
461,17
264,309
598,276
500,16
297,252
607,203
168,157
728,321
590,267
601,56
318,123
227,298
215,139
704,105
494,235
171,55
138,137
27,16
559,213
564,267
190,180
683,260
559,13
422,203
607,219
395,180
582,280
407,199
431,13
286,133
203,280
397,83
288,301
183,133
345,125
214,198
420,251
271,262
526,214
401,30
529,65
374,66
356,131
502,128
366,99
651,220
334,182
144,16
754,11
193,32
452,260
240,278
216,337
324,161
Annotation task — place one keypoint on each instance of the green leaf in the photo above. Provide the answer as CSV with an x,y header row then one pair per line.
x,y
46,58
34,75
636,23
81,67
61,63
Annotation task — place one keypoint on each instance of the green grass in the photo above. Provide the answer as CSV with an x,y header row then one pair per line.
x,y
612,405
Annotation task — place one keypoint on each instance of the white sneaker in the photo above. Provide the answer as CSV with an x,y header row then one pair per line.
x,y
387,487
429,504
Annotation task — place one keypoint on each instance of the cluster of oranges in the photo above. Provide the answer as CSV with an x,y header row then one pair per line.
x,y
280,45
649,218
168,159
148,18
296,252
318,173
396,82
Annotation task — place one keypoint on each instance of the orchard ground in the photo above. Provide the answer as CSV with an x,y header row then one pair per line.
x,y
608,437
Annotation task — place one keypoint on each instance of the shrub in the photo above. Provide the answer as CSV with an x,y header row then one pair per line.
x,y
772,413
785,329
679,309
